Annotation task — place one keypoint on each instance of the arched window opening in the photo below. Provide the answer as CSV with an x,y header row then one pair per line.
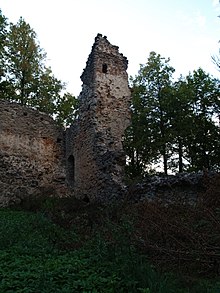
x,y
71,170
104,68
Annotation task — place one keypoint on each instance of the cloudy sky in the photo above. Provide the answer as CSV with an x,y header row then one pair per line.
x,y
187,31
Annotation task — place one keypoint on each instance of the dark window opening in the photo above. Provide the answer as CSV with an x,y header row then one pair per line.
x,y
104,68
71,170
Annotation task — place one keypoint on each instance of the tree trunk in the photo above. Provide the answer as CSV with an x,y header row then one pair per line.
x,y
165,167
22,97
180,153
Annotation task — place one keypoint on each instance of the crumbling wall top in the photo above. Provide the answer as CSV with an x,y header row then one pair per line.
x,y
104,58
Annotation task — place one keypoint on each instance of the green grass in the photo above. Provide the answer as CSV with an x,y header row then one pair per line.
x,y
34,258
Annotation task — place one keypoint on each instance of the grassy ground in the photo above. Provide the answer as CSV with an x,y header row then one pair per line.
x,y
64,245
33,259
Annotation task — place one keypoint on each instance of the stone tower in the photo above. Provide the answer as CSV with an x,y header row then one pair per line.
x,y
95,156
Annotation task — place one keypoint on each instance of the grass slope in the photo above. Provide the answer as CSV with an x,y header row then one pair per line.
x,y
32,259
64,245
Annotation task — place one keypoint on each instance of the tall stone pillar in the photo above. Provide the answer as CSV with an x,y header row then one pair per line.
x,y
95,155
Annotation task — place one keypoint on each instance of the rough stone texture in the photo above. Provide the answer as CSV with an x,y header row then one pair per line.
x,y
37,157
32,155
95,156
186,188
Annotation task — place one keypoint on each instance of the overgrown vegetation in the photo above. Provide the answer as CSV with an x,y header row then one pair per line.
x,y
34,259
65,245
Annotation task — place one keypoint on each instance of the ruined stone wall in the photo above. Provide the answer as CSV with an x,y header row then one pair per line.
x,y
94,142
32,154
37,157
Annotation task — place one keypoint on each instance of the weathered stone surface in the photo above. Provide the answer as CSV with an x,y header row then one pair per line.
x,y
94,141
185,187
88,160
32,154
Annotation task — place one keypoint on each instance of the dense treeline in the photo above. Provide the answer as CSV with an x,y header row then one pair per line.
x,y
24,76
175,124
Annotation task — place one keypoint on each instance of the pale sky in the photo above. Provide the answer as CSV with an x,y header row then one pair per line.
x,y
187,31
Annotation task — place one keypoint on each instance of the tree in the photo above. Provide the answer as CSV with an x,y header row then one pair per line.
x,y
203,143
152,88
25,61
5,86
66,109
176,121
47,90
138,137
180,116
31,82
3,31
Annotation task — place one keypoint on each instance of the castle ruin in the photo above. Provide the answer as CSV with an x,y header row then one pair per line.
x,y
86,160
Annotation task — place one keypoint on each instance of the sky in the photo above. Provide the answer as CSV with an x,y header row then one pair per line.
x,y
186,31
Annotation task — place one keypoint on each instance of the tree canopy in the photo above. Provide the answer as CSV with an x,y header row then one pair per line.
x,y
25,77
174,123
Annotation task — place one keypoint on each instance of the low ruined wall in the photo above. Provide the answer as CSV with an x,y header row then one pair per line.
x,y
32,158
185,188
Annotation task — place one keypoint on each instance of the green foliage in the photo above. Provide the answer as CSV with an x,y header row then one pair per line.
x,y
3,26
30,262
32,259
4,85
174,123
24,61
26,79
66,109
148,137
203,142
